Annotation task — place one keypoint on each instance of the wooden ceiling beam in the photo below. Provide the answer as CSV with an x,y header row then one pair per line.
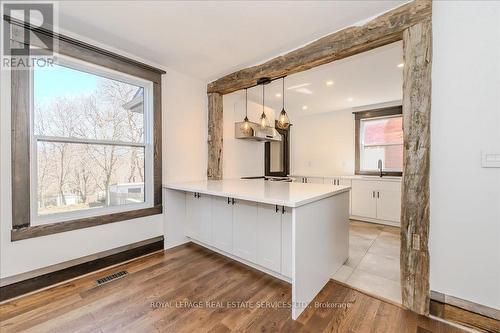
x,y
382,30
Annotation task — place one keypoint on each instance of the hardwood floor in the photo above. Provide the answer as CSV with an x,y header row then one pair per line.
x,y
190,288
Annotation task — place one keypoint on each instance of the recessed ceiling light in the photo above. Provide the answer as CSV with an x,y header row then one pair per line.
x,y
304,107
329,83
350,99
278,95
401,65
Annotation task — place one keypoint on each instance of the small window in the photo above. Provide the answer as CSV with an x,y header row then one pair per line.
x,y
91,140
380,140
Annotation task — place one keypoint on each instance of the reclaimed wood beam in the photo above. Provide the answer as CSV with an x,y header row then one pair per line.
x,y
215,127
384,29
417,50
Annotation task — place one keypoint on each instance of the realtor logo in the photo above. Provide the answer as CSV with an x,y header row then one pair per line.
x,y
28,35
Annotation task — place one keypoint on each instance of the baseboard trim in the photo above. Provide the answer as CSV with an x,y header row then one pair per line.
x,y
464,312
369,219
38,279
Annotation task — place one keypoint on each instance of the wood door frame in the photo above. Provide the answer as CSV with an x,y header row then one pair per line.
x,y
410,23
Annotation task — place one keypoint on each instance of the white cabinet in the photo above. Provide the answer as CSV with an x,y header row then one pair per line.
x,y
337,181
389,201
305,179
286,243
269,236
256,232
222,223
193,214
340,181
380,200
364,201
199,217
314,180
245,230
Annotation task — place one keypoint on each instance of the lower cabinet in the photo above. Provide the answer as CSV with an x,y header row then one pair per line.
x,y
380,200
286,243
363,197
245,230
269,236
222,223
199,217
258,233
389,201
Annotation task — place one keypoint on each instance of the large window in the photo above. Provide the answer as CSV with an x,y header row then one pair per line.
x,y
380,141
85,139
91,142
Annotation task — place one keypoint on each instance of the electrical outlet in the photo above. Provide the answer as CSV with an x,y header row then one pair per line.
x,y
415,242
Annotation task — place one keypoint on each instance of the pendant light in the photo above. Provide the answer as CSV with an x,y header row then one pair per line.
x,y
283,121
263,118
245,126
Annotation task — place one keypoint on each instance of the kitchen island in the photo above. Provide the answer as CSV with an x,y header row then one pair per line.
x,y
293,231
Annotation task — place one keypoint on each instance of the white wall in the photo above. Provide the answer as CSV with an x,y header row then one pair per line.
x,y
465,198
184,158
184,128
323,144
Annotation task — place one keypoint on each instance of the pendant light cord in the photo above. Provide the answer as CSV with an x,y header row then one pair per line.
x,y
263,94
283,94
246,103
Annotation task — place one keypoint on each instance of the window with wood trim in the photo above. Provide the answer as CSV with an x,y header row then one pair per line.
x,y
379,141
91,142
86,141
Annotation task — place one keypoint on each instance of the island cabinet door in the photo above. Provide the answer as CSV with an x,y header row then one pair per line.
x,y
199,217
205,222
193,216
245,230
286,243
269,236
222,224
364,201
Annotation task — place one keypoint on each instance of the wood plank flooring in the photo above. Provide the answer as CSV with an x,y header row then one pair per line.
x,y
192,289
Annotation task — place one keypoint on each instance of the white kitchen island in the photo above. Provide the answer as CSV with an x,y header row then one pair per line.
x,y
293,231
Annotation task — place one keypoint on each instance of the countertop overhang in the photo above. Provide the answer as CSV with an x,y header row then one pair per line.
x,y
269,192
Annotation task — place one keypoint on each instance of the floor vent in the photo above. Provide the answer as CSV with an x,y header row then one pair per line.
x,y
111,277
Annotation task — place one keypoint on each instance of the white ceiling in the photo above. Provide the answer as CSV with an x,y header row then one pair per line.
x,y
208,39
368,78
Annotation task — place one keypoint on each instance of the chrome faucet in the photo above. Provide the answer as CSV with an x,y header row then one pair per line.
x,y
380,168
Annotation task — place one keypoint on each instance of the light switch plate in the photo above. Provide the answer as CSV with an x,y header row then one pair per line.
x,y
490,160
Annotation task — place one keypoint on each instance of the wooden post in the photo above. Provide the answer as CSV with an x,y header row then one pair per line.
x,y
417,48
215,127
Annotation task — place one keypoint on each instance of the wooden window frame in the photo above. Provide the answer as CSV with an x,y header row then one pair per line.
x,y
20,138
368,114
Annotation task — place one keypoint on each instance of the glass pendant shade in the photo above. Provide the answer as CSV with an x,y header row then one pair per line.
x,y
263,120
245,126
283,121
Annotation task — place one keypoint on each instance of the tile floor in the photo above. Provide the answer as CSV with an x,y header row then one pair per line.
x,y
373,263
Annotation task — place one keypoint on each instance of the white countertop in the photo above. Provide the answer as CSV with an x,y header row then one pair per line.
x,y
257,190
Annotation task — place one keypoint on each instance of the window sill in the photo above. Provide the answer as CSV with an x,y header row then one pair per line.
x,y
374,173
54,228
